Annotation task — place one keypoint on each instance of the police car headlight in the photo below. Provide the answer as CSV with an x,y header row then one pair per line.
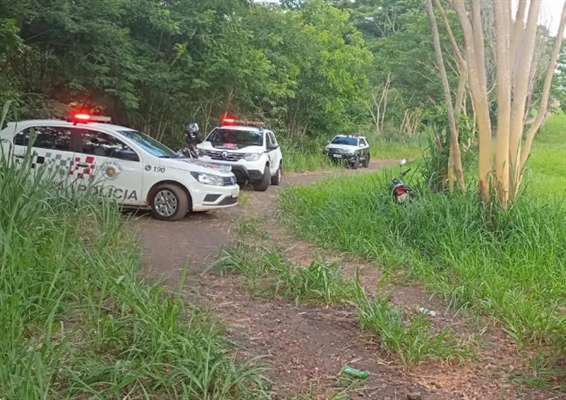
x,y
208,179
251,156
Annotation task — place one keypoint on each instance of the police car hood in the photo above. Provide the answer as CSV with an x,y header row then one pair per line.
x,y
193,165
341,146
230,147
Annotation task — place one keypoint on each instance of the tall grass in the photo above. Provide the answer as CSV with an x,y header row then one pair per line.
x,y
77,320
507,264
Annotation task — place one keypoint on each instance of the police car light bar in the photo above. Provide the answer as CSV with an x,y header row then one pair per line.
x,y
233,121
81,117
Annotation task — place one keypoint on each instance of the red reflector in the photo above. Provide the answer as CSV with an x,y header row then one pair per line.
x,y
399,190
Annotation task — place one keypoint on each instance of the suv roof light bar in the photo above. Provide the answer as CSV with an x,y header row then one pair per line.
x,y
234,121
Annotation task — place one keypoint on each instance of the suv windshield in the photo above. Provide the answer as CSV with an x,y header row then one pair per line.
x,y
351,141
149,144
236,136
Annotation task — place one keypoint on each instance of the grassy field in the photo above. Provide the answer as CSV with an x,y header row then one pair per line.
x,y
79,322
509,265
546,170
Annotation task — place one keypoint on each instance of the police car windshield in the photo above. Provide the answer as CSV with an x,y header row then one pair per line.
x,y
351,141
149,144
236,136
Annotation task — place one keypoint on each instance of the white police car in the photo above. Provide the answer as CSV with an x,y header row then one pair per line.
x,y
251,150
92,155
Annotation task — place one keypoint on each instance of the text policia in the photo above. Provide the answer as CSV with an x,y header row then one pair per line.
x,y
111,192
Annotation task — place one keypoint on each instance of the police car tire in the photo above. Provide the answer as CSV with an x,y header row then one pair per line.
x,y
182,202
356,163
276,179
366,161
262,185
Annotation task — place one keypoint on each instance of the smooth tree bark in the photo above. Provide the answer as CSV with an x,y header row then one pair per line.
x,y
503,75
521,73
475,58
455,157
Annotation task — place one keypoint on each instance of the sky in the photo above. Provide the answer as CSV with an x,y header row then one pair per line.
x,y
550,12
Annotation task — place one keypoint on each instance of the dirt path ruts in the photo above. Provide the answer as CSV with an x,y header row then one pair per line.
x,y
305,345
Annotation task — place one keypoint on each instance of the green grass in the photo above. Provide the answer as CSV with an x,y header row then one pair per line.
x,y
269,274
509,265
78,321
546,168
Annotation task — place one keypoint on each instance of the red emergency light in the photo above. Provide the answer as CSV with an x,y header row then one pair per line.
x,y
83,117
234,121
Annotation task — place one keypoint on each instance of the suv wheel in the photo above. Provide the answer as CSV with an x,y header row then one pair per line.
x,y
262,185
276,179
169,203
366,161
356,162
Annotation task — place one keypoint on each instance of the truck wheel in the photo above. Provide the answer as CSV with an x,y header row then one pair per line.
x,y
262,185
276,180
169,203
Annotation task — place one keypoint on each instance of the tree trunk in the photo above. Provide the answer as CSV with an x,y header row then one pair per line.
x,y
478,87
522,73
503,76
455,154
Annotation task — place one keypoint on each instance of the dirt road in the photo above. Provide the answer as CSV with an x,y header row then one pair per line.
x,y
307,345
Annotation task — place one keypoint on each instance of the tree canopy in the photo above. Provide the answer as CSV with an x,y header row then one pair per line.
x,y
308,67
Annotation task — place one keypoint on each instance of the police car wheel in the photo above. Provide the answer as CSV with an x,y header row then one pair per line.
x,y
262,185
169,203
276,179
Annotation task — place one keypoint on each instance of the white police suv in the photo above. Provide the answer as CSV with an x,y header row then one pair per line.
x,y
250,148
92,155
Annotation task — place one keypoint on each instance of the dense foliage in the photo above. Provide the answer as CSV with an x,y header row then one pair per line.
x,y
308,67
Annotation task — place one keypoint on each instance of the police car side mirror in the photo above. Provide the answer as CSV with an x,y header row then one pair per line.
x,y
127,155
272,147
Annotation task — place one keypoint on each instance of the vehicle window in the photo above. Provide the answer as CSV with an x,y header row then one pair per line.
x,y
351,141
236,136
269,139
45,137
149,144
363,142
102,144
272,137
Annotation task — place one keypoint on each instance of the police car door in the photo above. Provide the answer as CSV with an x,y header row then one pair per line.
x,y
274,158
109,164
51,152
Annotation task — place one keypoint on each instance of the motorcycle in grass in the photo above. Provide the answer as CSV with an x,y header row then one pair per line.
x,y
400,191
